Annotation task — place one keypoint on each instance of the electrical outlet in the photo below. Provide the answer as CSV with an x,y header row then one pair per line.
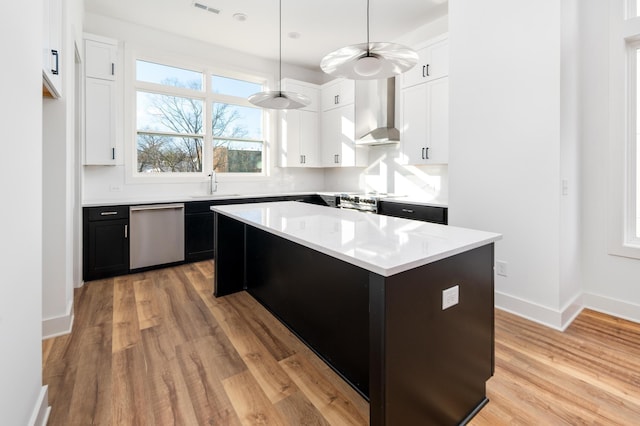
x,y
450,297
501,268
115,188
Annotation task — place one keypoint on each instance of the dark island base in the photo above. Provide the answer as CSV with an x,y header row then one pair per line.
x,y
386,336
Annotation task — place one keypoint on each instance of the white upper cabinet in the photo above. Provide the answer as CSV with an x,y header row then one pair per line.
x,y
102,146
433,63
425,123
299,131
312,91
425,109
299,128
100,59
338,93
51,48
337,128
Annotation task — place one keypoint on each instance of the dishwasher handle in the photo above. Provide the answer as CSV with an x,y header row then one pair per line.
x,y
156,207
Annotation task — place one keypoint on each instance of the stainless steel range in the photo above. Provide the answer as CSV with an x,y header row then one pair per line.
x,y
361,202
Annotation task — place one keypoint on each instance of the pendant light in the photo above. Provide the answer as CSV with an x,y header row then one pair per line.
x,y
279,99
370,60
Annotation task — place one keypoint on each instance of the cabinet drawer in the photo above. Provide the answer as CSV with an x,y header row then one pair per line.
x,y
107,212
415,212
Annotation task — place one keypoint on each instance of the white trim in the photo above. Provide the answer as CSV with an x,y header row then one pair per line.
x,y
615,307
58,326
41,411
622,117
556,319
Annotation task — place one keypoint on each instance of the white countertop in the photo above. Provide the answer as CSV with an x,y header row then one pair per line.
x,y
381,244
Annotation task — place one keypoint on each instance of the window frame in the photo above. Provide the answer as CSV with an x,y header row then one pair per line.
x,y
623,163
132,86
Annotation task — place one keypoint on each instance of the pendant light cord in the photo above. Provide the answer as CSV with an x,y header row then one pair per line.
x,y
280,53
368,46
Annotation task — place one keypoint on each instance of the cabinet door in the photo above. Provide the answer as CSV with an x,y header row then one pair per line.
x,y
433,63
290,122
438,121
338,135
198,234
100,59
337,93
100,148
108,249
425,128
308,137
51,47
413,211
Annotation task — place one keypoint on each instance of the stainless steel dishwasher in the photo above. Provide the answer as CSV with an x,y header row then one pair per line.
x,y
156,234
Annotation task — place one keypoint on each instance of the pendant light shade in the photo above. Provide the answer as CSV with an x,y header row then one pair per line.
x,y
278,99
370,60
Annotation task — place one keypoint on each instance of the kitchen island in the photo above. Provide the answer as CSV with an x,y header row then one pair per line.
x,y
401,309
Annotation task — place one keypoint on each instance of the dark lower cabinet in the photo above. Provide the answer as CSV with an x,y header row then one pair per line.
x,y
106,242
198,231
414,211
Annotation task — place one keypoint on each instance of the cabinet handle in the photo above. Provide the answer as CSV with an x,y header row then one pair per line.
x,y
108,213
55,68
336,99
126,231
113,68
407,210
426,151
424,69
113,153
427,69
423,153
304,159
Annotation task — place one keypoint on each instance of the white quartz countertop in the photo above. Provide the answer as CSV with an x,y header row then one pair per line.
x,y
382,244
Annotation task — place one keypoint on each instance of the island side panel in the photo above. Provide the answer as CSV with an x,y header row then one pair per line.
x,y
436,362
229,255
323,300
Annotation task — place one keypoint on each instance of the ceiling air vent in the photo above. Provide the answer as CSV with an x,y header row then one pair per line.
x,y
205,7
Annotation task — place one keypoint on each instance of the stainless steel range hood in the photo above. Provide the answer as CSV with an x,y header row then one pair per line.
x,y
375,104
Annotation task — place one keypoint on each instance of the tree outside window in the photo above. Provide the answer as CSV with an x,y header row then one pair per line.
x,y
171,131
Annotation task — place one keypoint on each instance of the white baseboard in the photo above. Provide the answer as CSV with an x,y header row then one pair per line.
x,y
556,319
41,411
58,326
617,308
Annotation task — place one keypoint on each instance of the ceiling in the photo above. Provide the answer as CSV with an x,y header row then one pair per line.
x,y
322,25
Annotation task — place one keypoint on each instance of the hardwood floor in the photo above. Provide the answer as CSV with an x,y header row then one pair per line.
x,y
157,348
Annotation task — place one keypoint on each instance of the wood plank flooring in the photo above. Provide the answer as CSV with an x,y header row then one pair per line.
x,y
157,348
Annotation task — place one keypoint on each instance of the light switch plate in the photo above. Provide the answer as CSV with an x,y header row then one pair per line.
x,y
450,297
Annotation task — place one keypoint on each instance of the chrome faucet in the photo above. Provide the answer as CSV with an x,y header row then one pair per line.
x,y
213,182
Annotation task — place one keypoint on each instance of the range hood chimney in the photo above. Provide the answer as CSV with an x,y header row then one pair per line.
x,y
375,104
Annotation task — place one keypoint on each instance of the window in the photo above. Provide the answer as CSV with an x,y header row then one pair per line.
x,y
624,121
189,122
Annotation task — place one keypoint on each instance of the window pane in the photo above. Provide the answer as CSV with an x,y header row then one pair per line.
x,y
162,113
162,154
169,76
237,157
233,87
233,121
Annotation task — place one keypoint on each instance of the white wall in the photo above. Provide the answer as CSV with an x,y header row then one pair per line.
x,y
59,187
98,180
612,283
21,392
509,130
